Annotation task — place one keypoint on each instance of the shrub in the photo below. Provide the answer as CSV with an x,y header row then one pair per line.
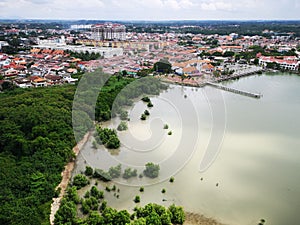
x,y
152,170
124,115
143,117
122,126
146,99
94,144
88,171
150,104
137,199
80,181
146,112
128,173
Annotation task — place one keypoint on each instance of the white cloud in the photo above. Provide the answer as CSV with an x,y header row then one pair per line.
x,y
78,4
213,5
173,4
150,9
186,4
39,1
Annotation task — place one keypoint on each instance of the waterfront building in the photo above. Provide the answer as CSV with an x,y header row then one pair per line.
x,y
285,62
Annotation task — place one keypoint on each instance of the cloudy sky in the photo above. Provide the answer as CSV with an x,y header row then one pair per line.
x,y
150,9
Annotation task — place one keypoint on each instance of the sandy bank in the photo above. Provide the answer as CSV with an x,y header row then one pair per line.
x,y
66,175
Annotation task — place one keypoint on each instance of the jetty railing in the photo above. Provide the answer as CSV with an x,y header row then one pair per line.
x,y
245,93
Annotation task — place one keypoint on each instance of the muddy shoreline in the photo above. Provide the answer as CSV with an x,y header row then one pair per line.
x,y
195,219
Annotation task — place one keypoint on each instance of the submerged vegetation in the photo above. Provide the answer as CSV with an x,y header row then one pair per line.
x,y
152,170
107,137
122,126
96,210
128,173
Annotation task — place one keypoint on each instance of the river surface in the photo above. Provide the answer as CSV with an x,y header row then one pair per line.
x,y
252,147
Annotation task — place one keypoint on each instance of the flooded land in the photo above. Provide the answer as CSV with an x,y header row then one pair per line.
x,y
234,158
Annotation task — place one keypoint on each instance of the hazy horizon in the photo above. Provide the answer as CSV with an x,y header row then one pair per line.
x,y
161,20
150,10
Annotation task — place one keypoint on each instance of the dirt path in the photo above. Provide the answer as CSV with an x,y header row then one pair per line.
x,y
66,175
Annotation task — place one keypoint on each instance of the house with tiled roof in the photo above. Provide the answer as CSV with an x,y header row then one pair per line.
x,y
39,82
53,79
190,71
11,72
23,83
208,68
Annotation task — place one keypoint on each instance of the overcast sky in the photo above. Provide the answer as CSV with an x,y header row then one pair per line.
x,y
150,9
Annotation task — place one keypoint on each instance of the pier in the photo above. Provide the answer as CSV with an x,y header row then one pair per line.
x,y
245,93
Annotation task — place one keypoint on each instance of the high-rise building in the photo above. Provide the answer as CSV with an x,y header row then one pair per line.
x,y
108,31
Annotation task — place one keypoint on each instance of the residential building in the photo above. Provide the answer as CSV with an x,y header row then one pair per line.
x,y
108,31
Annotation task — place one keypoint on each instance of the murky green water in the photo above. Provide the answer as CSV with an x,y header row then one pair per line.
x,y
256,173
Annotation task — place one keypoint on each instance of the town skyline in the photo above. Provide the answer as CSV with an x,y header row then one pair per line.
x,y
155,10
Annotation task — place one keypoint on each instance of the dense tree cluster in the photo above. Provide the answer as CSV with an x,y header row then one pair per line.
x,y
163,66
249,28
142,86
159,215
115,93
36,140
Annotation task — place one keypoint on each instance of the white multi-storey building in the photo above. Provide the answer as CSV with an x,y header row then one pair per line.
x,y
108,31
